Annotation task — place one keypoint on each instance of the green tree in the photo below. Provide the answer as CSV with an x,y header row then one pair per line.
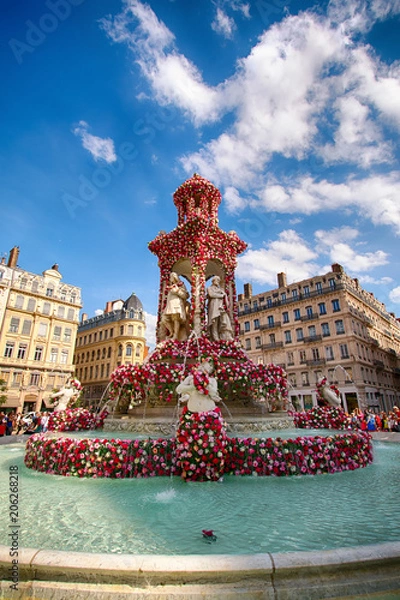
x,y
3,388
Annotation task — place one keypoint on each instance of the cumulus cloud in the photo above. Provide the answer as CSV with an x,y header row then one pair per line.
x,y
223,24
394,295
99,148
289,254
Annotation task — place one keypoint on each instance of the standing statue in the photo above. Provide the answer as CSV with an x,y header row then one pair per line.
x,y
219,322
199,389
328,394
65,395
175,316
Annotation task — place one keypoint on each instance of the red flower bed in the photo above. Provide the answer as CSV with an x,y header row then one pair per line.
x,y
322,417
76,419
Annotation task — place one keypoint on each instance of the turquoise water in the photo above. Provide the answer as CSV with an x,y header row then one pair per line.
x,y
167,515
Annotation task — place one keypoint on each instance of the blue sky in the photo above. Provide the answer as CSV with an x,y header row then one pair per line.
x,y
292,109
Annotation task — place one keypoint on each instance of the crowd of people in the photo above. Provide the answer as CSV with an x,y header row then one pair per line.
x,y
18,423
383,421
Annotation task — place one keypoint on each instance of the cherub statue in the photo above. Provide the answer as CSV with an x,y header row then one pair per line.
x,y
66,394
199,389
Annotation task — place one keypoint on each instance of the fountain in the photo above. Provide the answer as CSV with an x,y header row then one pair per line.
x,y
199,360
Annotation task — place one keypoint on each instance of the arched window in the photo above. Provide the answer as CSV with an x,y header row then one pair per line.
x,y
138,349
131,314
109,352
120,350
128,350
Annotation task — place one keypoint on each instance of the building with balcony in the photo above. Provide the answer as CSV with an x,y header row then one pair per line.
x,y
106,341
328,326
39,316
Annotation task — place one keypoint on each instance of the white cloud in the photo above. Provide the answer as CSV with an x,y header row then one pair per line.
x,y
289,254
223,24
98,312
394,295
151,322
374,197
99,148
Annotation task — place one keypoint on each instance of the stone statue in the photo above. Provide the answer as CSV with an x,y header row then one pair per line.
x,y
328,394
175,316
200,398
65,395
219,323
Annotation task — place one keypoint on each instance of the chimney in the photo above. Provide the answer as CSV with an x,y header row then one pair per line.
x,y
84,317
3,260
336,268
13,258
248,290
108,308
282,282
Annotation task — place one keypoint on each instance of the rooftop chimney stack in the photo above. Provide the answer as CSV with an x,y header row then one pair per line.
x,y
248,290
13,258
282,282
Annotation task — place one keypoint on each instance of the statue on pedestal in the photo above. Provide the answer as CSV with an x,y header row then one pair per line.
x,y
219,323
65,395
175,316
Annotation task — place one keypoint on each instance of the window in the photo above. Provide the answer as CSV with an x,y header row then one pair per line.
x,y
296,314
318,287
290,358
329,353
64,357
111,332
38,353
8,350
270,320
312,332
107,369
31,304
246,308
96,372
35,286
63,295
302,356
247,325
16,378
128,350
255,305
288,337
285,317
139,330
103,353
42,329
35,379
120,350
67,334
90,339
299,334
325,329
95,337
100,336
344,352
315,353
322,308
295,294
130,330
138,350
269,302
102,371
304,378
71,314
73,298
339,326
14,325
19,302
49,291
53,355
98,354
306,291
256,323
335,305
258,341
109,352
309,312
57,333
92,357
332,284
248,344
22,351
283,297
272,338
46,308
61,312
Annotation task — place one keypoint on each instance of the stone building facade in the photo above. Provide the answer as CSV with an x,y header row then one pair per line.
x,y
115,337
39,316
328,326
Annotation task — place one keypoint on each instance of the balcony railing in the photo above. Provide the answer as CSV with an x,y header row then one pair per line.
x,y
319,362
312,338
270,325
272,345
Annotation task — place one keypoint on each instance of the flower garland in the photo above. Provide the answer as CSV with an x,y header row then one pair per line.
x,y
76,419
236,374
322,417
164,457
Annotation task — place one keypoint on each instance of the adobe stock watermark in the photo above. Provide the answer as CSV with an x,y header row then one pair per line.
x,y
145,129
271,10
36,32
